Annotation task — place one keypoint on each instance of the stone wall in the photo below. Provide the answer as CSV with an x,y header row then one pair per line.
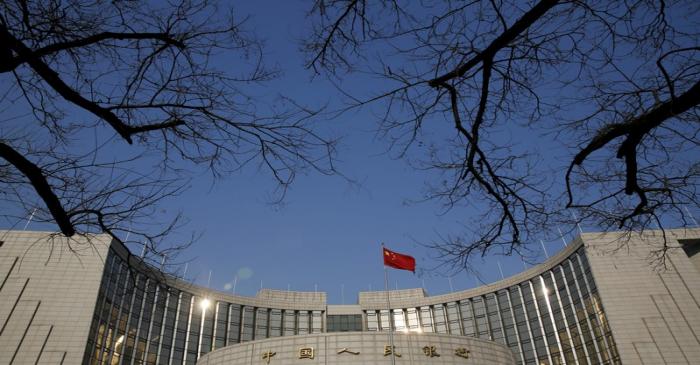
x,y
366,348
652,304
48,288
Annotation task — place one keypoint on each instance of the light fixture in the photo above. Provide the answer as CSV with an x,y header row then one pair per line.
x,y
204,304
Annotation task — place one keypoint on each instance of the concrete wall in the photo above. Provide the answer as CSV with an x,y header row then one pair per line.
x,y
652,305
370,346
48,288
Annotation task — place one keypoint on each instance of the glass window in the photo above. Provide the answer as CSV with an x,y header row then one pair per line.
x,y
207,329
399,320
168,330
303,322
344,322
316,322
156,324
275,323
372,321
384,323
181,328
247,324
440,319
453,319
494,318
413,321
221,325
290,320
195,323
465,309
261,323
234,324
426,319
482,326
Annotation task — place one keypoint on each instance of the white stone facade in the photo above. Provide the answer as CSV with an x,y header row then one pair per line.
x,y
652,305
48,288
366,348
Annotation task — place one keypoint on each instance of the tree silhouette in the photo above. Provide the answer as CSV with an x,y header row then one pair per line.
x,y
119,100
609,90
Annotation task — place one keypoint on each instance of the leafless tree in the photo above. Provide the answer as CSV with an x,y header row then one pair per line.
x,y
108,105
529,112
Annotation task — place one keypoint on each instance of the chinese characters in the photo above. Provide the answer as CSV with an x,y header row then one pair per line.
x,y
306,353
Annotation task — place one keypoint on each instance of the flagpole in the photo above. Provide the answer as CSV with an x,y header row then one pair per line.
x,y
388,305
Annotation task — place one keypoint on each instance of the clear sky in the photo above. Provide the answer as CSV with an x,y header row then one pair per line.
x,y
327,232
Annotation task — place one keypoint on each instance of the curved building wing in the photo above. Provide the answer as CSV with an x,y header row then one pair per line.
x,y
93,302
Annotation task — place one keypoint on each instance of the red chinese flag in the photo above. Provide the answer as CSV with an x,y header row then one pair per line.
x,y
399,261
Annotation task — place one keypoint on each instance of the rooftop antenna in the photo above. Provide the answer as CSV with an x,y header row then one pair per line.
x,y
500,269
209,280
544,249
185,272
396,285
315,288
449,280
126,239
143,252
31,216
561,235
691,217
576,220
235,281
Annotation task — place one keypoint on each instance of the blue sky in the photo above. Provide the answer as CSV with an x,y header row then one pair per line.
x,y
327,232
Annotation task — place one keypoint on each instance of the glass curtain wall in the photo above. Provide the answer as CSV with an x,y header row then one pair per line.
x,y
552,319
138,320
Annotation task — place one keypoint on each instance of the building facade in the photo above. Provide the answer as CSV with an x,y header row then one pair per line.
x,y
603,299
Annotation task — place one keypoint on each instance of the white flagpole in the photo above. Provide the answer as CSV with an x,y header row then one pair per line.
x,y
388,305
235,281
